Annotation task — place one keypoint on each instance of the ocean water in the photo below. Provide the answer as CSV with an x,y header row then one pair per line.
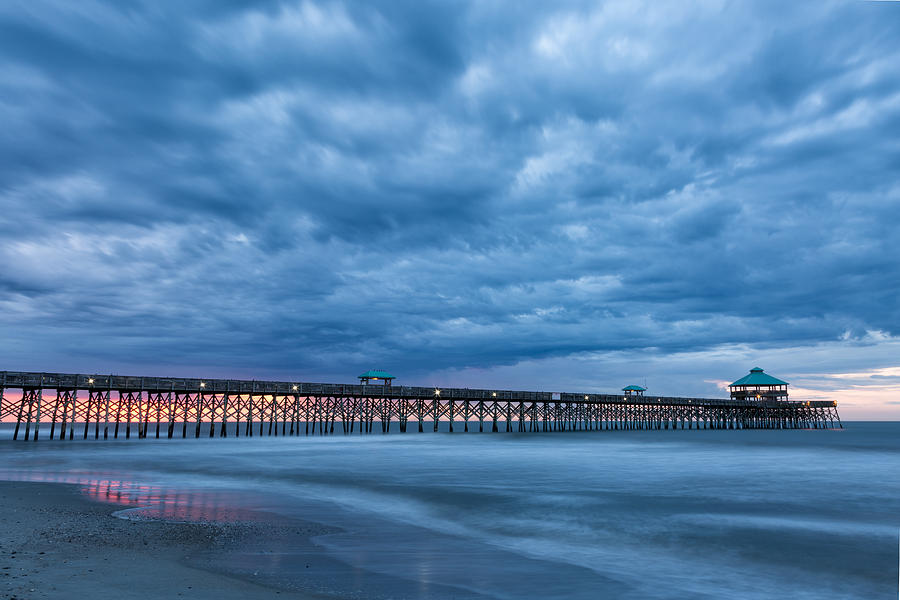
x,y
613,514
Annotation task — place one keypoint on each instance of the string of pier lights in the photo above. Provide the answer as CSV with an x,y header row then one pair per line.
x,y
437,392
203,385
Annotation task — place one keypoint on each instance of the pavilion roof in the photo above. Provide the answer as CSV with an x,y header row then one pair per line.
x,y
758,377
634,388
376,374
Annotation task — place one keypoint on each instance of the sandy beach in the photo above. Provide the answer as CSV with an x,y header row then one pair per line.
x,y
54,543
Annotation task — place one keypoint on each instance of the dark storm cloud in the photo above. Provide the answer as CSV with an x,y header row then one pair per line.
x,y
316,187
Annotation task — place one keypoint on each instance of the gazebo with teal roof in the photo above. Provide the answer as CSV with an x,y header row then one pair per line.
x,y
376,375
634,390
759,386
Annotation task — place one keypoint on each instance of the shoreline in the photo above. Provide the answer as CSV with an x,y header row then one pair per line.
x,y
54,542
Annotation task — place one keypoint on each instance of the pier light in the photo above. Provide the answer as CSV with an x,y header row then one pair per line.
x,y
437,392
585,397
91,381
203,385
294,388
494,394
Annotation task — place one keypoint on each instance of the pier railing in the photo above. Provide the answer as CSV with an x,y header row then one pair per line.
x,y
216,406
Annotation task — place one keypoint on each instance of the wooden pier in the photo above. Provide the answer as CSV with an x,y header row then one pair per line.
x,y
69,406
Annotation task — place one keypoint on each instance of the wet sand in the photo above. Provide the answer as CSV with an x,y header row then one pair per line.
x,y
54,543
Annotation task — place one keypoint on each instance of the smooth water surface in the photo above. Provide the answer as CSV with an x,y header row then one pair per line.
x,y
612,514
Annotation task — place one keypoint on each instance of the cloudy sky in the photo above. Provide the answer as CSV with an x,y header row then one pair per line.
x,y
557,196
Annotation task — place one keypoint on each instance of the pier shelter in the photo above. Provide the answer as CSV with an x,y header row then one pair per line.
x,y
758,385
376,375
634,390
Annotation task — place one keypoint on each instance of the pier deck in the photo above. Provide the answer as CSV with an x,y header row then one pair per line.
x,y
168,406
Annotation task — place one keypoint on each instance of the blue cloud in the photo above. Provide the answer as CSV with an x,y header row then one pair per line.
x,y
320,187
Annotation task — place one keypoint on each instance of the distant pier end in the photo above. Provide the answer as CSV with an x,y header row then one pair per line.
x,y
82,406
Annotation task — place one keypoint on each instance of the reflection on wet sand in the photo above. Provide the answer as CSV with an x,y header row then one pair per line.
x,y
152,501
